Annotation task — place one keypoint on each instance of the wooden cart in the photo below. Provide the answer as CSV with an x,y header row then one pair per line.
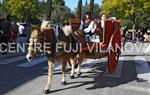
x,y
111,39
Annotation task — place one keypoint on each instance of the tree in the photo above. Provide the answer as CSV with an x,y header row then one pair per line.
x,y
86,3
55,10
91,6
79,9
61,13
86,8
127,9
2,8
49,2
23,9
59,2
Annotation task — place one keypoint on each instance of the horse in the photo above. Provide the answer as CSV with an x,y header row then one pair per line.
x,y
48,35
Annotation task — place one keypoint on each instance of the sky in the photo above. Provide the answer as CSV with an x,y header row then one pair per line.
x,y
72,4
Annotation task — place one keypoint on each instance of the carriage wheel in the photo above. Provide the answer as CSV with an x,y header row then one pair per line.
x,y
112,61
113,55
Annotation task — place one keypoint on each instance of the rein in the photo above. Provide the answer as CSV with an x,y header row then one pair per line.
x,y
56,32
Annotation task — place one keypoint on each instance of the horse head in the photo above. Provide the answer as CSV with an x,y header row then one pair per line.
x,y
39,36
35,43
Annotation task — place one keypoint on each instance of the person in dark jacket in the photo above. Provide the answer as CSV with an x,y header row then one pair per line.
x,y
5,26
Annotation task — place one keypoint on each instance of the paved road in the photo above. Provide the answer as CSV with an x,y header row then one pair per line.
x,y
132,77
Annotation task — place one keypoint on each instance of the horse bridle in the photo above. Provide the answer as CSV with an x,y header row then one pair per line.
x,y
32,44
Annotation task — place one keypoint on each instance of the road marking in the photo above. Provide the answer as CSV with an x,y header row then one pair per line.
x,y
32,63
117,73
136,88
142,68
11,60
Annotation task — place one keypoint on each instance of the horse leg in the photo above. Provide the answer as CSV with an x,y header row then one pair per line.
x,y
72,68
50,74
78,73
63,81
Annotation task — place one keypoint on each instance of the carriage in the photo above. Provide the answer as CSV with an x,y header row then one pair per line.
x,y
111,41
110,44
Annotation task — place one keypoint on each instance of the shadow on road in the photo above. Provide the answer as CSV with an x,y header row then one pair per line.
x,y
128,75
9,81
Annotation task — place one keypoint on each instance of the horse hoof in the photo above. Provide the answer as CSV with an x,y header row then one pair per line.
x,y
46,91
78,75
63,83
72,76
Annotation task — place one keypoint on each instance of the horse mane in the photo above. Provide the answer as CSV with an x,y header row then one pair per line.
x,y
45,25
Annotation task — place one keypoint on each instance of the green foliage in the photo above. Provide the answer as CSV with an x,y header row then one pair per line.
x,y
79,9
127,22
55,10
96,10
127,9
91,6
60,13
23,9
59,2
49,5
1,10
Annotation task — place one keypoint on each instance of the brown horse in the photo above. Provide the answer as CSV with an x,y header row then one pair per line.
x,y
44,40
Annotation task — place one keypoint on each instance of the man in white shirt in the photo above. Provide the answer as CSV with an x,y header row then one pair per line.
x,y
87,25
